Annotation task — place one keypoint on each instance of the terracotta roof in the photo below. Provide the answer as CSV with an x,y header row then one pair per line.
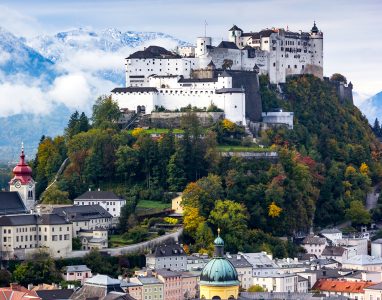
x,y
341,286
17,292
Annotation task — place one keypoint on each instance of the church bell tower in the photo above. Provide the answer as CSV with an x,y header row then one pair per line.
x,y
23,183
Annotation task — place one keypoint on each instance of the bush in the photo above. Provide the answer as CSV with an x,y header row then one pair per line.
x,y
137,234
172,221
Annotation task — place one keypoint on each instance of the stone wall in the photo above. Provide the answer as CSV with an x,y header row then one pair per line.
x,y
173,119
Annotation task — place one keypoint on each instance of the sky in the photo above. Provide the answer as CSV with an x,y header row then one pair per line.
x,y
352,28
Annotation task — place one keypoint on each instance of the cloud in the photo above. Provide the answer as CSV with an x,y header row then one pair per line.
x,y
4,57
18,23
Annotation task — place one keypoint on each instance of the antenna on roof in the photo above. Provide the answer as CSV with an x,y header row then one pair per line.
x,y
205,28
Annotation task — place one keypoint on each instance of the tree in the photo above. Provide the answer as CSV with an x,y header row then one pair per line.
x,y
274,210
76,243
358,214
338,77
231,218
5,278
191,220
106,113
39,268
127,161
97,263
176,176
54,195
255,289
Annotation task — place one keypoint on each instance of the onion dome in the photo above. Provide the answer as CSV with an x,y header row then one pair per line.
x,y
314,28
22,171
219,271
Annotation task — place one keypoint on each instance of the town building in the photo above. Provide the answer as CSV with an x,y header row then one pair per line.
x,y
101,287
350,289
363,262
17,292
332,234
172,284
170,257
282,283
107,200
243,269
76,273
190,285
134,289
336,252
85,217
354,246
279,117
93,238
152,287
262,263
219,279
376,248
373,292
314,244
11,204
23,183
196,261
23,234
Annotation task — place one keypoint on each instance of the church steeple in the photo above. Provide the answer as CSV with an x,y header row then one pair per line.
x,y
219,246
22,181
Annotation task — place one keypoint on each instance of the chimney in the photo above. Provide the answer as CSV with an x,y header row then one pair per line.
x,y
30,286
99,189
90,189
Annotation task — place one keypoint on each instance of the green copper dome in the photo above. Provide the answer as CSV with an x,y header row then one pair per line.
x,y
218,241
219,272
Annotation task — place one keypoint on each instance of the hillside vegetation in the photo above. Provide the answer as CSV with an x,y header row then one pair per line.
x,y
326,166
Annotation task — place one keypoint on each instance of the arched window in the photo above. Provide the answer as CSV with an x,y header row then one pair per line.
x,y
216,298
30,194
231,297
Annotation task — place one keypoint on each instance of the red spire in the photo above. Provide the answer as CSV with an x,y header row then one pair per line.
x,y
22,171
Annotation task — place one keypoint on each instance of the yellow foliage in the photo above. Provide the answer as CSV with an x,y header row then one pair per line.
x,y
350,170
191,219
274,210
170,220
227,124
346,184
137,132
364,169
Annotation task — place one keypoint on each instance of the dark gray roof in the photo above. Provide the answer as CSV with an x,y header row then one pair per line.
x,y
59,294
77,213
227,45
98,195
377,286
149,280
168,250
27,219
378,241
77,268
331,230
118,296
333,251
167,273
183,80
234,27
135,90
154,52
229,90
238,260
313,239
11,203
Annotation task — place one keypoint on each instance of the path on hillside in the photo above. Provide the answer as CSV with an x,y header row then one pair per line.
x,y
135,248
372,198
59,172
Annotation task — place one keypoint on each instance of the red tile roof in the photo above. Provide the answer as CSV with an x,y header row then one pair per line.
x,y
330,285
17,292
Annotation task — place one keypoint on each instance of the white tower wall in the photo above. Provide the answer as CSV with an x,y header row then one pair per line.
x,y
201,46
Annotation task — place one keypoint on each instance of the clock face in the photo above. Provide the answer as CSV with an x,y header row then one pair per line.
x,y
30,184
17,184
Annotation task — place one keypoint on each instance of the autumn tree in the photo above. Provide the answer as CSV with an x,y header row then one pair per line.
x,y
357,213
53,195
106,113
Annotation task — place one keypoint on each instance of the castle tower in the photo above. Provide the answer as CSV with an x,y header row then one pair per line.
x,y
234,34
202,44
23,183
219,279
317,47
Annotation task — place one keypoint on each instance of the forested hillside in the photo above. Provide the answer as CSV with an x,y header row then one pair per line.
x,y
326,166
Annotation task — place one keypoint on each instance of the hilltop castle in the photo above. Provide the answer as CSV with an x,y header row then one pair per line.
x,y
225,75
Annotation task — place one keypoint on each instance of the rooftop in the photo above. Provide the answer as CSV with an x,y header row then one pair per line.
x,y
154,52
77,213
77,268
58,294
314,239
98,195
341,286
11,203
102,280
149,280
331,230
363,260
168,250
333,251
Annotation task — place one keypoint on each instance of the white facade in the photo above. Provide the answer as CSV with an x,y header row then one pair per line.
x,y
174,92
376,248
279,117
281,283
355,246
26,191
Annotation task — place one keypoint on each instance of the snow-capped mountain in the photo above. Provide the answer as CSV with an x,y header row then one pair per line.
x,y
109,40
44,79
16,58
372,107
